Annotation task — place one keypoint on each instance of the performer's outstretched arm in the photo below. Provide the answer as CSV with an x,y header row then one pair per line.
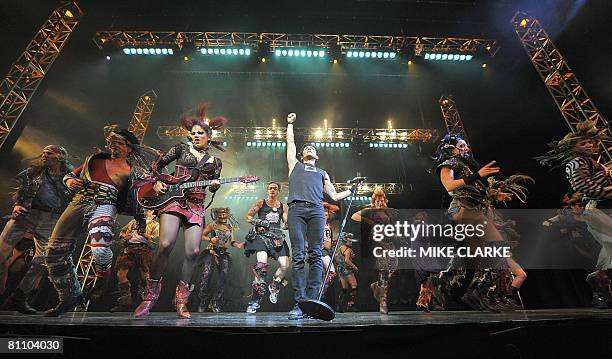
x,y
331,190
451,184
291,150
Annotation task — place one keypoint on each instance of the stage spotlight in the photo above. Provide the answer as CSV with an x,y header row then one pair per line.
x,y
386,55
158,51
367,54
284,52
379,55
484,66
461,57
392,55
277,52
186,58
455,57
309,53
126,51
361,54
321,53
438,56
139,51
247,52
444,56
145,51
107,57
263,59
469,57
409,62
335,61
290,53
164,51
349,54
235,52
241,51
222,51
302,53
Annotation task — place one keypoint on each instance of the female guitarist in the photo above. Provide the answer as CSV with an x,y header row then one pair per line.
x,y
193,162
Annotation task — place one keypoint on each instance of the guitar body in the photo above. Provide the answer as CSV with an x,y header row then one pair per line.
x,y
177,188
149,199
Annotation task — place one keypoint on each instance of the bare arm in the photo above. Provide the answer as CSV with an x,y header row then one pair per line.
x,y
331,190
357,216
254,209
291,150
206,232
348,258
286,216
451,184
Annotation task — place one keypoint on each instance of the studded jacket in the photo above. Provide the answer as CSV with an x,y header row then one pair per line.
x,y
30,180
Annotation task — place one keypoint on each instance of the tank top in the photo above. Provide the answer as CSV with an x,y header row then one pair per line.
x,y
272,215
306,184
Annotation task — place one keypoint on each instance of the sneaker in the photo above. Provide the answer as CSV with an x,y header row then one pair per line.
x,y
273,293
214,306
252,308
296,313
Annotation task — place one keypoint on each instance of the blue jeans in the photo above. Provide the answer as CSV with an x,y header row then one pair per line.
x,y
306,223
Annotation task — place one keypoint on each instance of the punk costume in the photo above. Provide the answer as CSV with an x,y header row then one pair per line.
x,y
346,270
220,236
192,163
575,152
44,196
137,254
92,214
472,203
266,236
379,213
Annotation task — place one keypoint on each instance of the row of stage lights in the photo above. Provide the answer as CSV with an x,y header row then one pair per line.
x,y
371,54
299,53
254,198
296,53
388,145
225,51
283,144
448,57
246,198
147,51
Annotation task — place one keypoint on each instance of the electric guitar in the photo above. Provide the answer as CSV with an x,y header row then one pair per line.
x,y
177,188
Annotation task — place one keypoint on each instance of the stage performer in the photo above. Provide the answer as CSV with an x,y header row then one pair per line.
x,y
379,213
306,217
266,239
465,181
346,273
104,188
328,244
39,201
193,160
137,254
575,152
220,237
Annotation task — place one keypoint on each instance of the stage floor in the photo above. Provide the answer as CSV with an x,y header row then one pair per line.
x,y
279,319
449,334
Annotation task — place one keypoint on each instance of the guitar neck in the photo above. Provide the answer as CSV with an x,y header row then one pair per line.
x,y
208,182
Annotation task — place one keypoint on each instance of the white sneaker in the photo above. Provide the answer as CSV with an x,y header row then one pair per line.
x,y
252,308
273,294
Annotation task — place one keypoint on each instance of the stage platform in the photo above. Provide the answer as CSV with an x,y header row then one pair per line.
x,y
519,334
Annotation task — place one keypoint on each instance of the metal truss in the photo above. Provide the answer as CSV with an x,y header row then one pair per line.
x,y
86,272
451,117
25,74
416,44
142,114
365,188
311,134
561,82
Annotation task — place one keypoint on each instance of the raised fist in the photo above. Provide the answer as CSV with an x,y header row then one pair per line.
x,y
291,117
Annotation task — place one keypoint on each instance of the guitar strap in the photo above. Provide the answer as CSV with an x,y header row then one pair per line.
x,y
212,198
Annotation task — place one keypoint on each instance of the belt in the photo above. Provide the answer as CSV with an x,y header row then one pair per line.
x,y
44,208
99,194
